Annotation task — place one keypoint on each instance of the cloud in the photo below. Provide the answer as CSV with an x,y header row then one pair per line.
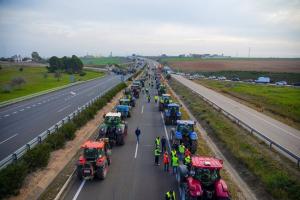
x,y
61,27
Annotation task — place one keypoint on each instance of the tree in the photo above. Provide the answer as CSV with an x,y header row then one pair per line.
x,y
57,75
54,64
35,56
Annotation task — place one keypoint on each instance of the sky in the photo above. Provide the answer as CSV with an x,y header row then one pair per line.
x,y
270,28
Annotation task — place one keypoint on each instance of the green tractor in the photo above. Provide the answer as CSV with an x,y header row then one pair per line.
x,y
162,90
113,128
164,100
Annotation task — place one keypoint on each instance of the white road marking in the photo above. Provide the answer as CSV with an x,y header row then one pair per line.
x,y
63,108
6,115
9,138
39,103
79,189
28,107
142,109
136,149
72,93
15,112
21,110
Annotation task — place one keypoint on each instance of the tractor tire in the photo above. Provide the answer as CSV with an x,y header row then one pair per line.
x,y
79,173
120,140
166,121
129,115
193,146
102,172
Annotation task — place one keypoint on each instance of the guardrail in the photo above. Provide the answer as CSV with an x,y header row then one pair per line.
x,y
252,130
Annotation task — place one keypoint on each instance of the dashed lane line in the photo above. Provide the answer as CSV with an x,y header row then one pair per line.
x,y
136,149
9,138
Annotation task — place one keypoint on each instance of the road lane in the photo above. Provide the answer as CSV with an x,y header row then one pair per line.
x,y
286,136
29,118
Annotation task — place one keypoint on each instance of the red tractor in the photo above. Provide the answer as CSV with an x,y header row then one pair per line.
x,y
95,159
202,180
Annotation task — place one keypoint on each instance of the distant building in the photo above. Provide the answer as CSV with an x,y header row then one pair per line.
x,y
181,55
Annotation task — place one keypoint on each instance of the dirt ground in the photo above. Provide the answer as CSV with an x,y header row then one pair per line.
x,y
37,182
239,65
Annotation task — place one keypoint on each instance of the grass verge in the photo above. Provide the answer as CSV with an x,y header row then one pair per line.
x,y
12,177
37,79
281,102
278,176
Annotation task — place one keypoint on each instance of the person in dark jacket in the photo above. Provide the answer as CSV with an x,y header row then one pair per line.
x,y
163,144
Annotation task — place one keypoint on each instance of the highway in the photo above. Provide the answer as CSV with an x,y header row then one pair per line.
x,y
277,131
21,122
132,174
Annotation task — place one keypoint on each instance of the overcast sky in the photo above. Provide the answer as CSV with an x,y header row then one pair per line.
x,y
271,28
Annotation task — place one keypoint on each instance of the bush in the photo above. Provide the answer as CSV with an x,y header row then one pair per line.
x,y
82,73
68,130
7,88
21,69
12,178
37,157
17,82
56,140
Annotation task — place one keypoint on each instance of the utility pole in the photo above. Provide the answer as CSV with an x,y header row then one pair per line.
x,y
249,50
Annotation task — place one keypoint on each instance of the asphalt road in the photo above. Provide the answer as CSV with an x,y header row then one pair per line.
x,y
282,134
21,122
132,174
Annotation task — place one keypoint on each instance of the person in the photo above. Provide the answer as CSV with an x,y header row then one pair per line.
x,y
166,161
187,152
175,164
149,98
173,152
187,161
170,195
163,144
157,142
155,98
181,150
156,155
137,133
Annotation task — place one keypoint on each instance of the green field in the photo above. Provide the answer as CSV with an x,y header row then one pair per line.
x,y
281,102
35,80
102,60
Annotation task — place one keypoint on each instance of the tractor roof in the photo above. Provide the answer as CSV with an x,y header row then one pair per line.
x,y
190,122
93,145
124,99
166,95
173,105
111,114
207,162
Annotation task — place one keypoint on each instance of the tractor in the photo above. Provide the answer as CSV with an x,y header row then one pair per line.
x,y
172,114
202,180
164,100
161,90
128,95
135,89
94,160
124,108
113,128
184,133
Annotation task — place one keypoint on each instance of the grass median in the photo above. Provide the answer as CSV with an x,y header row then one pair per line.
x,y
13,176
278,176
36,79
282,103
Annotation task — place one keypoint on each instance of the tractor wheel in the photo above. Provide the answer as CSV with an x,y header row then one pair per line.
x,y
193,146
129,114
120,140
102,172
79,173
166,121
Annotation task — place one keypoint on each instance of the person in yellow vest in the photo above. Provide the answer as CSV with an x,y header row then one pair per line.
x,y
157,142
155,98
173,152
156,155
175,163
187,161
181,149
170,195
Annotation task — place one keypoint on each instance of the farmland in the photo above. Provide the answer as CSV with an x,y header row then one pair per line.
x,y
282,103
209,65
37,79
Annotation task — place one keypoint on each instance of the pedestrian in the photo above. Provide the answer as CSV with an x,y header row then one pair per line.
x,y
187,161
149,98
187,152
155,98
175,164
163,144
137,133
157,142
156,155
181,150
173,152
170,195
166,162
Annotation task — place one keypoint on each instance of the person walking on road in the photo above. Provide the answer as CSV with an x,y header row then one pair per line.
x,y
137,133
156,155
170,195
163,144
173,152
181,150
187,161
187,152
157,142
155,98
149,98
175,164
166,162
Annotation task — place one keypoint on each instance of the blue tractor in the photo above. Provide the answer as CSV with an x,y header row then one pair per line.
x,y
184,133
172,113
124,108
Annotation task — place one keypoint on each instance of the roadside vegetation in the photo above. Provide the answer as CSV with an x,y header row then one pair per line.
x,y
275,175
18,81
13,176
282,103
